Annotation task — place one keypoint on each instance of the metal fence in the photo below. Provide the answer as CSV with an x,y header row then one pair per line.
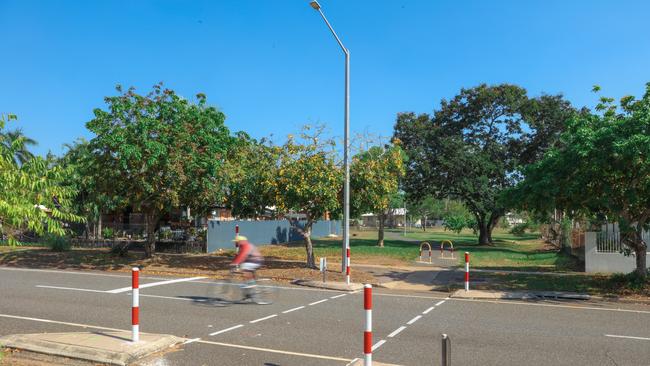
x,y
610,241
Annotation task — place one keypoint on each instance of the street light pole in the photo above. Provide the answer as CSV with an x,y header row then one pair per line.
x,y
346,143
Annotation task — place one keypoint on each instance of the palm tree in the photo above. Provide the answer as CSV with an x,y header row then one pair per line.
x,y
16,142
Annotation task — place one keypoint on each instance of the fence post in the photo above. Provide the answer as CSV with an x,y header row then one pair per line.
x,y
367,334
446,351
466,271
135,309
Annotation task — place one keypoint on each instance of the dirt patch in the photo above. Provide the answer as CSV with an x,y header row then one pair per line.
x,y
212,265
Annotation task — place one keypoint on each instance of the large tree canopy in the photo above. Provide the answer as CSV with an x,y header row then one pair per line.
x,y
474,145
159,151
602,166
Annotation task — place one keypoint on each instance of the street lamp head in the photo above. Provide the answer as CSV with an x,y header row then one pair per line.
x,y
314,4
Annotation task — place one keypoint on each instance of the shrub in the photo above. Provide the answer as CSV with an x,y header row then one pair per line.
x,y
519,229
57,243
108,233
455,223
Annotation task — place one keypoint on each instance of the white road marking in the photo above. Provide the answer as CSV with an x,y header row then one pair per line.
x,y
192,340
396,331
414,320
428,310
262,319
353,361
70,288
164,297
440,302
377,345
318,302
337,296
627,337
294,309
227,329
125,289
276,351
62,323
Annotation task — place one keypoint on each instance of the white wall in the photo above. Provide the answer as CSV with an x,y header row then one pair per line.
x,y
606,262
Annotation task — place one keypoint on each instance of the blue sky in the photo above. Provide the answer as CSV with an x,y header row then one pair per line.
x,y
273,66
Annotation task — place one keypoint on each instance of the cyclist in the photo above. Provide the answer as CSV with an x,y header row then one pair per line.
x,y
248,261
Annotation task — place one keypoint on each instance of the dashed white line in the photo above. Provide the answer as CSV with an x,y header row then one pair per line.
x,y
414,320
377,345
262,319
428,310
627,337
227,329
396,331
294,309
337,296
318,302
440,302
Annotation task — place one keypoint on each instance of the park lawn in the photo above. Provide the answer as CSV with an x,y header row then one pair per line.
x,y
509,252
363,249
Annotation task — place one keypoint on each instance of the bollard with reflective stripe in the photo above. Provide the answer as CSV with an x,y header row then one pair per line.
x,y
446,351
135,308
347,267
466,271
367,334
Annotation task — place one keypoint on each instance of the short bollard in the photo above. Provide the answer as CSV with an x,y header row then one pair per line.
x,y
466,271
347,267
135,308
446,351
367,334
323,268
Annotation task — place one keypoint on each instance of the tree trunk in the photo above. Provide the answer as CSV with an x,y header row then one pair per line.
x,y
151,220
311,262
380,233
424,223
99,227
483,231
640,252
494,220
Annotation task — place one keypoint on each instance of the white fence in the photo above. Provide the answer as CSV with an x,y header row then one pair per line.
x,y
610,242
604,253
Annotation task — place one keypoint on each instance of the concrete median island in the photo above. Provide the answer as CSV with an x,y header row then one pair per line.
x,y
108,348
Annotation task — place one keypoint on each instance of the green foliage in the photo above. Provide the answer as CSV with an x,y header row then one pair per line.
x,y
473,147
33,193
108,233
57,243
159,151
601,167
519,229
455,223
251,169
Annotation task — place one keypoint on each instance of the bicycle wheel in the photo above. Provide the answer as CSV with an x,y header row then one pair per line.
x,y
222,292
266,292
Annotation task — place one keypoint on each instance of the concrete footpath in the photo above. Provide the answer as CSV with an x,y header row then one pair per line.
x,y
110,348
518,295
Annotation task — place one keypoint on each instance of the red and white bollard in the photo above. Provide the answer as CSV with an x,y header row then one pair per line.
x,y
236,230
367,334
135,309
466,271
347,267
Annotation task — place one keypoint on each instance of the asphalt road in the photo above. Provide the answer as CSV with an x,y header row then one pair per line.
x,y
316,327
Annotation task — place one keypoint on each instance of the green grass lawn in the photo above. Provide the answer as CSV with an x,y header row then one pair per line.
x,y
509,252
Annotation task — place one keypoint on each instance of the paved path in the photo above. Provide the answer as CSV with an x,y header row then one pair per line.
x,y
316,327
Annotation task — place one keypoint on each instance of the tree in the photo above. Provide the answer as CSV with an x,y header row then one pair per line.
x,y
601,167
33,195
374,181
475,145
251,169
18,143
159,151
308,181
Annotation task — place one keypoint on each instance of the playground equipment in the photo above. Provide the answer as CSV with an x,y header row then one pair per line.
x,y
442,249
430,250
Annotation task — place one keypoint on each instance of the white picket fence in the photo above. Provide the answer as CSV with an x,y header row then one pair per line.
x,y
610,241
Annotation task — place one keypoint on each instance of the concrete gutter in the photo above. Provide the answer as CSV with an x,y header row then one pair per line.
x,y
339,286
111,348
518,295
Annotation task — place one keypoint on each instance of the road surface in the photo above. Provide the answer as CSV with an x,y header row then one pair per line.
x,y
318,327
